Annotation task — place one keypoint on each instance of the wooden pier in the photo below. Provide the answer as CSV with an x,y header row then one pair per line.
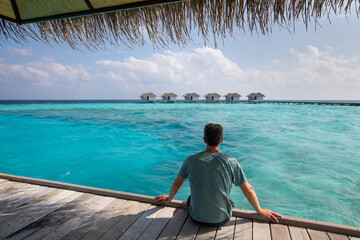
x,y
301,102
336,103
41,209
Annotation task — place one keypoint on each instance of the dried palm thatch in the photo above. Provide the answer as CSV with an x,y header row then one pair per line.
x,y
172,23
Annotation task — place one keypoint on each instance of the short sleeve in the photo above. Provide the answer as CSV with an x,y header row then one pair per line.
x,y
239,176
184,168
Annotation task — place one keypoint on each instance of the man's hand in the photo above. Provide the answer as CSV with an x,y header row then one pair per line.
x,y
179,180
163,199
250,194
271,215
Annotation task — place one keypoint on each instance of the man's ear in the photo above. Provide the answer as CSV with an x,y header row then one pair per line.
x,y
204,140
222,139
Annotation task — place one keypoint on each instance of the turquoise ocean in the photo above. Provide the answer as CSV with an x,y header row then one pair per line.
x,y
302,160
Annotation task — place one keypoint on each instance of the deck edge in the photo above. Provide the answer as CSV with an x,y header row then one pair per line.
x,y
292,221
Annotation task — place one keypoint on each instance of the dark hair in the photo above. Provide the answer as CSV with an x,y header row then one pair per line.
x,y
213,134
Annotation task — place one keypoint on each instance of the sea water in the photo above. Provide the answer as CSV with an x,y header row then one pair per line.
x,y
302,160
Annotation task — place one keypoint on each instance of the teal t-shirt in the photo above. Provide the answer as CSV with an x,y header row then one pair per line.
x,y
211,176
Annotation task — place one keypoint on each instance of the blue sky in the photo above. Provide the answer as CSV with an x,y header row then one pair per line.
x,y
306,64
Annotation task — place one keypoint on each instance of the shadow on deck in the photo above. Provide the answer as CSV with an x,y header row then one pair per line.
x,y
40,209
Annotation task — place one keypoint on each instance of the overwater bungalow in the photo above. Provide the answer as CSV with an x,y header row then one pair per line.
x,y
232,97
255,97
191,97
147,97
212,97
169,97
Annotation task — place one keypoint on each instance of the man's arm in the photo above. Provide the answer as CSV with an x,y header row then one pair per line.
x,y
250,194
174,189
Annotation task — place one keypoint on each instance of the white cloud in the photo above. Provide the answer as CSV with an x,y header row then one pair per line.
x,y
177,71
42,73
48,59
322,68
311,74
21,51
61,72
208,70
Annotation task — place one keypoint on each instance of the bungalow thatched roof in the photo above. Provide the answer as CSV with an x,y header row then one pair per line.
x,y
169,95
256,95
163,24
212,95
191,95
147,95
232,95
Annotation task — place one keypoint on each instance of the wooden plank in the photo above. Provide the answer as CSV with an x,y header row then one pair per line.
x,y
40,228
91,207
21,188
93,190
354,238
141,223
22,192
21,209
335,236
60,217
13,186
206,232
298,233
307,223
14,215
323,226
5,183
279,232
16,185
23,199
89,224
243,229
173,227
129,217
9,197
227,231
189,230
318,235
261,231
100,229
158,224
38,212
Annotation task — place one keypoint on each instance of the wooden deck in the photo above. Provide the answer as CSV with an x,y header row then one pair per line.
x,y
40,209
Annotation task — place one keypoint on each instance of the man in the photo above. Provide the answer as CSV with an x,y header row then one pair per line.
x,y
211,174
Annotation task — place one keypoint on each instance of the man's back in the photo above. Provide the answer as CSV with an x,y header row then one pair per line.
x,y
211,176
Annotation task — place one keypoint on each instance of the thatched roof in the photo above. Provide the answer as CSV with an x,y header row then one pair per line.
x,y
212,95
147,95
162,24
256,95
30,11
232,95
169,95
191,95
